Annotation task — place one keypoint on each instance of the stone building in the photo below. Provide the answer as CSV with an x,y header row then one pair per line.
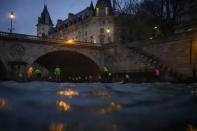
x,y
93,24
44,23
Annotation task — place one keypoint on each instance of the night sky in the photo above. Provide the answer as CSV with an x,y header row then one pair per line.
x,y
28,11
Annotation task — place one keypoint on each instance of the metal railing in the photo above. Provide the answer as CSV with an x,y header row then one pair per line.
x,y
51,41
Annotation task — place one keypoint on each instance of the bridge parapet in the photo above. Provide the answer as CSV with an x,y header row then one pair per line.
x,y
50,41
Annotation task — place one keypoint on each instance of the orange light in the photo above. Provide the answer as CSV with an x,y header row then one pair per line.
x,y
111,107
69,93
56,127
30,72
70,41
63,106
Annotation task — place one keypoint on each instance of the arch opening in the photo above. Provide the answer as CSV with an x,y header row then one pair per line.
x,y
72,65
3,71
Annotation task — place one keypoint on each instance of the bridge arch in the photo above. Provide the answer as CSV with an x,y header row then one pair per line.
x,y
71,63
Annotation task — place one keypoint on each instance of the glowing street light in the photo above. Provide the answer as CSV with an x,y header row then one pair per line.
x,y
156,27
108,31
12,17
70,41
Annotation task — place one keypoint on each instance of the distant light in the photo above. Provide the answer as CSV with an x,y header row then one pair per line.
x,y
12,15
70,41
108,30
155,27
151,38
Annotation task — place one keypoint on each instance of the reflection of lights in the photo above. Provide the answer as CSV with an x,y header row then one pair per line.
x,y
3,103
63,106
102,94
191,128
112,107
69,93
56,127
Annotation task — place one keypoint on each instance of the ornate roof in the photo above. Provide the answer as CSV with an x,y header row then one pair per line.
x,y
104,3
45,17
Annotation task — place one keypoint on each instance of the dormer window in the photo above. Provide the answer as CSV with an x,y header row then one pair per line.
x,y
102,12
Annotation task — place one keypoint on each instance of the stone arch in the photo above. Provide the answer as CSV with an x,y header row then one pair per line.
x,y
93,55
71,63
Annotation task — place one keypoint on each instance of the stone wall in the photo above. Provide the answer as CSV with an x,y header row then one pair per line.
x,y
180,52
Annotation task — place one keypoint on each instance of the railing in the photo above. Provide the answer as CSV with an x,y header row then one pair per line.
x,y
52,41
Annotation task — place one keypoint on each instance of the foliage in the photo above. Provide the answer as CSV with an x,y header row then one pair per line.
x,y
144,15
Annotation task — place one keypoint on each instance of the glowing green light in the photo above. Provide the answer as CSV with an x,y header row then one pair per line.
x,y
49,78
57,71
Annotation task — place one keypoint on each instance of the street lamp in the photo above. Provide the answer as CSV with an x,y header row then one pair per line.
x,y
11,16
70,41
156,28
108,32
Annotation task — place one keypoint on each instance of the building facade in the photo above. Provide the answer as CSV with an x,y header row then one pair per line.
x,y
93,24
45,24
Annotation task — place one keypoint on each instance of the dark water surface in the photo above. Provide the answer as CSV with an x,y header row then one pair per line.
x,y
43,106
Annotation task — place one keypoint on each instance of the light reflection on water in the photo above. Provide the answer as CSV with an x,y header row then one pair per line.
x,y
102,94
70,93
56,127
77,107
63,106
3,103
191,128
110,108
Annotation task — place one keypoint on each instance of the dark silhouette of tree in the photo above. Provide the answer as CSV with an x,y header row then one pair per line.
x,y
144,15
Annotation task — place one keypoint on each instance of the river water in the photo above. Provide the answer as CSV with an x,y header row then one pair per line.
x,y
44,106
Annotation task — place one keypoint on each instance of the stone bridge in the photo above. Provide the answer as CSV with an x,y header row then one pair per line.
x,y
176,56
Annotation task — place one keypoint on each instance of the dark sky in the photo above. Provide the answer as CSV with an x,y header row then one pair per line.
x,y
28,11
